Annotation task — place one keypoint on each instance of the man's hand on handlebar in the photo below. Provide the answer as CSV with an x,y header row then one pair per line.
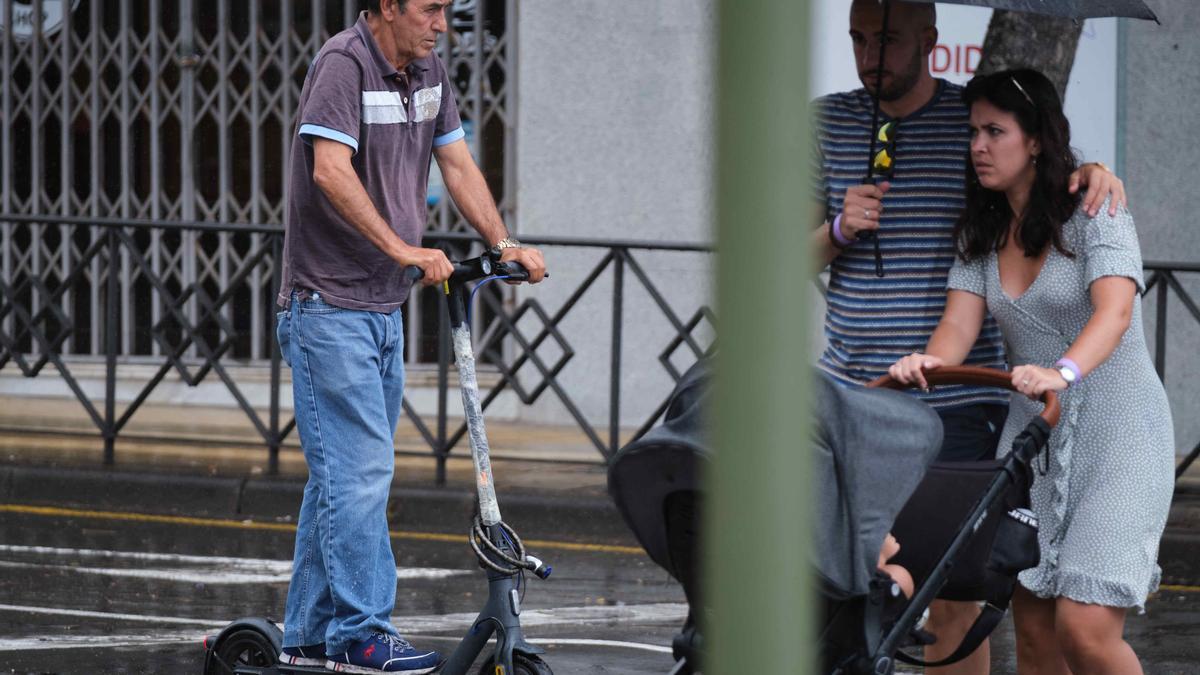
x,y
529,258
912,369
432,262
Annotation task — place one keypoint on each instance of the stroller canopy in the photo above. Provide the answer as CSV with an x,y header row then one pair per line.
x,y
871,448
644,473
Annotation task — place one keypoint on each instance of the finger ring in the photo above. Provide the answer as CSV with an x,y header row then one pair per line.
x,y
1025,381
867,214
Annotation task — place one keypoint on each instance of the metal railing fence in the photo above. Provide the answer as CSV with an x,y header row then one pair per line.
x,y
37,322
41,311
1162,279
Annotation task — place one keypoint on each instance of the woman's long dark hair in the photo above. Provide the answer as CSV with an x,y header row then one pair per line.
x,y
983,226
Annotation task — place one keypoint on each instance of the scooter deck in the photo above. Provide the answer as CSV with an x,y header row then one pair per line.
x,y
283,669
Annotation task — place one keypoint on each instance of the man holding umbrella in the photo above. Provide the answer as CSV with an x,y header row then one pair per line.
x,y
876,315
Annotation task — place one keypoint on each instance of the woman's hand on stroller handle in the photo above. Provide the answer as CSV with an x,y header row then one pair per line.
x,y
1032,380
911,369
984,377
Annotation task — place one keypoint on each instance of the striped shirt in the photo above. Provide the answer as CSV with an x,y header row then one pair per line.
x,y
871,321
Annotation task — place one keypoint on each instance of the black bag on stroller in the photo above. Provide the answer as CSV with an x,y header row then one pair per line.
x,y
655,483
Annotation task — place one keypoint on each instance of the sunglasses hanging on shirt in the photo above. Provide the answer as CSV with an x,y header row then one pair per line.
x,y
883,164
885,160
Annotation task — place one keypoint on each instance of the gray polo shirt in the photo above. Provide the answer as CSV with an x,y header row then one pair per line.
x,y
392,120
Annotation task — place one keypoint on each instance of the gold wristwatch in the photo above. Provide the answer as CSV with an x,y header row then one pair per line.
x,y
508,242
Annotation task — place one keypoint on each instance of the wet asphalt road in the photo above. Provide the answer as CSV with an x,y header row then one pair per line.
x,y
88,593
97,595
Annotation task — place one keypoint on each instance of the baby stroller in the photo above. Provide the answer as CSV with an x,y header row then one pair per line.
x,y
964,531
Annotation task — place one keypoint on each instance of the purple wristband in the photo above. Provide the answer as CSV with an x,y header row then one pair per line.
x,y
1070,365
836,228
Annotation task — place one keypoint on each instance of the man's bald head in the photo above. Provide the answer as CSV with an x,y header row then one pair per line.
x,y
903,15
911,34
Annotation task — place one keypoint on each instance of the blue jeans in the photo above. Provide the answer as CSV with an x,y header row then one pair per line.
x,y
347,385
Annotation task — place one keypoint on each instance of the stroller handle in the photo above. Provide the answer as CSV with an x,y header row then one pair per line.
x,y
985,377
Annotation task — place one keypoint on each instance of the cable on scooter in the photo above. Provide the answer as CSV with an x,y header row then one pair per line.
x,y
482,282
479,537
516,564
521,576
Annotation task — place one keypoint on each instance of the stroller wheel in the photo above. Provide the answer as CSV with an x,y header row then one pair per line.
x,y
685,648
522,665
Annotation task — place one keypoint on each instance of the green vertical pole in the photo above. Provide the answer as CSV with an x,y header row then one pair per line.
x,y
757,543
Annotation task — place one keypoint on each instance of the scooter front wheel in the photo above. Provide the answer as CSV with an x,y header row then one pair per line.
x,y
245,651
522,665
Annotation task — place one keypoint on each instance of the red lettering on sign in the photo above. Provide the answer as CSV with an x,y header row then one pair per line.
x,y
973,63
960,59
941,59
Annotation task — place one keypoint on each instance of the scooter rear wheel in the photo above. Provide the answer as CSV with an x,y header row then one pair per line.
x,y
522,665
246,651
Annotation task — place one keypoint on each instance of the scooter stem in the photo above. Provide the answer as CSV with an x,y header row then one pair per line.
x,y
464,359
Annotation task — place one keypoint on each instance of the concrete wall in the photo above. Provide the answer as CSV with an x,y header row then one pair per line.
x,y
1160,96
615,141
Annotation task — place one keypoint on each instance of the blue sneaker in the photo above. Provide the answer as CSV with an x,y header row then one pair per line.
x,y
312,655
384,653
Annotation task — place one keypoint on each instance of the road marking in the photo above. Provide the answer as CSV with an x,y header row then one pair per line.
x,y
209,570
186,637
1173,588
60,512
654,613
601,643
101,641
580,642
180,575
55,511
86,614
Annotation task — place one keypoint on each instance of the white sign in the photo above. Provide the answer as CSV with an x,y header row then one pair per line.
x,y
23,18
1091,103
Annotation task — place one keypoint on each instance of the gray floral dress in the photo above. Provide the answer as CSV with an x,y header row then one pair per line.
x,y
1103,503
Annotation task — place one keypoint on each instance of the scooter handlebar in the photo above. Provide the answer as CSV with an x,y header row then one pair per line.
x,y
476,268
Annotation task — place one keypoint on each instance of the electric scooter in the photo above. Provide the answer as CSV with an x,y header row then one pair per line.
x,y
251,646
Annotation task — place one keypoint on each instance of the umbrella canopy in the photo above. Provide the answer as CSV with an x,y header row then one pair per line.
x,y
1071,9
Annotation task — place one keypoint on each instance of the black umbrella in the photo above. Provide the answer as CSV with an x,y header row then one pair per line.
x,y
1071,9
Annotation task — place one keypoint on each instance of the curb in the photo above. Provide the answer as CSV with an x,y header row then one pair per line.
x,y
560,517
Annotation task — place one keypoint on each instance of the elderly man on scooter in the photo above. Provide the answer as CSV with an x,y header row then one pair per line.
x,y
376,105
